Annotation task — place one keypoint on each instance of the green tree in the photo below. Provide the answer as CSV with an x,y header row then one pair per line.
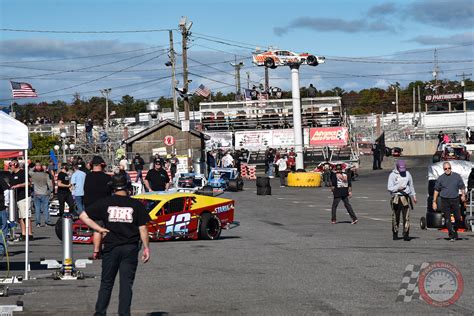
x,y
41,145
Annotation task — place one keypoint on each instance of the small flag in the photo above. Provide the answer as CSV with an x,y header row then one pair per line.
x,y
203,91
22,90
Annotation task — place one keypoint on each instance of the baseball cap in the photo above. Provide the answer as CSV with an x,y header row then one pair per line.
x,y
157,161
401,166
97,160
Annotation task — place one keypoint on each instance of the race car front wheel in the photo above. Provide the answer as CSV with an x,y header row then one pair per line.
x,y
210,227
312,60
269,62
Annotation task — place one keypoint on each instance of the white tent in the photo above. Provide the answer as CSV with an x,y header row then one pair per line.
x,y
14,136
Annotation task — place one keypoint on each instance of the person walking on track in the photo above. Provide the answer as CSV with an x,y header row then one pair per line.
x,y
342,191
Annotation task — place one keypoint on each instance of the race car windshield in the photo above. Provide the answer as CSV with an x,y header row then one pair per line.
x,y
150,204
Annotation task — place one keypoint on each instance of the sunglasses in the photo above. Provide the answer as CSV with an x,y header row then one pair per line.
x,y
447,168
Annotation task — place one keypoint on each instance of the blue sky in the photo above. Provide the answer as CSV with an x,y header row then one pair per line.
x,y
395,39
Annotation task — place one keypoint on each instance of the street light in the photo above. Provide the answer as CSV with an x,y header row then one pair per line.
x,y
64,146
105,93
395,86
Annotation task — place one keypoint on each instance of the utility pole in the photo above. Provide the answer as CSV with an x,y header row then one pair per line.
x,y
396,104
419,105
248,79
237,67
414,104
105,93
173,78
185,26
463,84
436,70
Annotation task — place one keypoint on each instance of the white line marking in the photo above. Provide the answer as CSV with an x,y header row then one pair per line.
x,y
361,197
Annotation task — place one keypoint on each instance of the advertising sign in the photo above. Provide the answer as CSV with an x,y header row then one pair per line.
x,y
444,97
219,140
328,136
253,140
169,140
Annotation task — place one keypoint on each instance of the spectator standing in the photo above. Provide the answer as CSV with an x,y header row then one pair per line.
x,y
448,186
469,135
17,183
311,91
123,162
89,128
138,164
157,178
376,152
64,190
173,165
282,169
211,161
400,185
78,179
292,159
3,216
342,190
269,160
96,187
227,160
123,225
42,188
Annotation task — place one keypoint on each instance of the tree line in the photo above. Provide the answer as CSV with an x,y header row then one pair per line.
x,y
373,100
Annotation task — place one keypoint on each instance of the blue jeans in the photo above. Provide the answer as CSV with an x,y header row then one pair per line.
x,y
41,206
4,229
89,137
79,201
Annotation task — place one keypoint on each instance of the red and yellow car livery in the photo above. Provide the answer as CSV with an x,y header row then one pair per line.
x,y
187,215
275,58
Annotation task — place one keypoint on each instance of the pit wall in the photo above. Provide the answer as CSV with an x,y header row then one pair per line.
x,y
415,147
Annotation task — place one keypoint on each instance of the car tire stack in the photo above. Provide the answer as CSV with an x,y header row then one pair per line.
x,y
263,186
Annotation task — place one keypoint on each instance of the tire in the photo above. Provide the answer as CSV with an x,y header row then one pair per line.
x,y
436,158
264,190
270,63
423,223
233,186
435,220
263,182
58,228
312,60
209,227
207,188
241,185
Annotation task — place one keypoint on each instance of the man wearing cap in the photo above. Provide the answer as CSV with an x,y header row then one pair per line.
x,y
400,185
448,186
123,226
138,164
341,188
157,178
96,187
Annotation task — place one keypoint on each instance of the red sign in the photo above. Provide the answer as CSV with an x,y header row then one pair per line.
x,y
328,136
169,140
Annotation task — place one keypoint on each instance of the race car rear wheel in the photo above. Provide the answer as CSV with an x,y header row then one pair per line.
x,y
312,60
436,158
469,222
269,62
210,227
233,186
58,228
423,223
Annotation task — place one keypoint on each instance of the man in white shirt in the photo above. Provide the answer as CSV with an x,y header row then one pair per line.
x,y
227,161
282,165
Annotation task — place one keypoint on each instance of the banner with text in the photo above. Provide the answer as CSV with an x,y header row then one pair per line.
x,y
328,136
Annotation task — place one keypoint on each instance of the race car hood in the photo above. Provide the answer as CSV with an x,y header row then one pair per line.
x,y
459,166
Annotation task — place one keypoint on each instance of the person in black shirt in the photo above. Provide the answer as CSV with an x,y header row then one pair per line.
x,y
138,163
124,226
64,190
342,190
157,178
17,183
96,187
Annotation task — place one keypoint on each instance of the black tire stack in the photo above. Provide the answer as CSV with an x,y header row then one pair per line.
x,y
263,186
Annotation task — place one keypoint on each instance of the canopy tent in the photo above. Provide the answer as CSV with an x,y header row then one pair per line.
x,y
14,137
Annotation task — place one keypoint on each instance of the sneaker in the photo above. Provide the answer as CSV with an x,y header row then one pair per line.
x,y
354,221
38,225
406,237
282,186
395,236
452,239
334,222
31,238
50,224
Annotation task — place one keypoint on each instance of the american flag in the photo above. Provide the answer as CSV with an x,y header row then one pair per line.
x,y
203,91
23,90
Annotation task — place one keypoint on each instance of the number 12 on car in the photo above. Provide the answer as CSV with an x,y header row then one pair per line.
x,y
178,224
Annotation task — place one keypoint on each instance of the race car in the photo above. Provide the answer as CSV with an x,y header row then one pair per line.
x,y
225,179
174,215
435,219
451,152
190,182
275,58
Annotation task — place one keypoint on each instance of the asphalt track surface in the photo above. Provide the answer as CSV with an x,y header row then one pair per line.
x,y
285,259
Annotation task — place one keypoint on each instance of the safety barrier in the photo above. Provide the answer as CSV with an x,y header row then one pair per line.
x,y
304,179
243,170
252,172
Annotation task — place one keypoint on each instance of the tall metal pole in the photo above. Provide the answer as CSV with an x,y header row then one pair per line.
x,y
64,149
414,104
248,79
396,103
185,26
267,84
105,93
297,130
173,78
419,105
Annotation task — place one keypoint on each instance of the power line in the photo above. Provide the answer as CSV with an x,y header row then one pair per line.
x,y
83,32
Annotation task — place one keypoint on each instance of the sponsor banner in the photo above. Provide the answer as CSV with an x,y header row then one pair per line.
x,y
253,140
219,140
444,97
328,136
